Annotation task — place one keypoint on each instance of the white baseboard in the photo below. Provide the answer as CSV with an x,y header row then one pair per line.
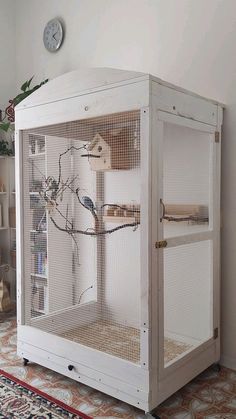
x,y
228,362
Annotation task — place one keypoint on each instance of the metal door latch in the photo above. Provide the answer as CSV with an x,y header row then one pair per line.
x,y
161,244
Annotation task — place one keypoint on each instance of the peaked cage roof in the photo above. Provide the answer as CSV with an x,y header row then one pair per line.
x,y
79,82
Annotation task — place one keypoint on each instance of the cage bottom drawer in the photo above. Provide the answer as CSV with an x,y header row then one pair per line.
x,y
93,378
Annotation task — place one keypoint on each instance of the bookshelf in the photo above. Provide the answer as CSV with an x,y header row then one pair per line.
x,y
8,225
38,228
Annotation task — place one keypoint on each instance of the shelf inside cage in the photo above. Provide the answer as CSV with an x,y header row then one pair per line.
x,y
38,231
190,213
122,214
36,146
37,156
38,312
41,276
124,341
39,296
34,193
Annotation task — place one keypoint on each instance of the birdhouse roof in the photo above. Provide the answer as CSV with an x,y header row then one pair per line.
x,y
95,141
110,137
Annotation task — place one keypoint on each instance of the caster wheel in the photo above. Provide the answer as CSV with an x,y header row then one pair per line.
x,y
152,416
25,362
217,367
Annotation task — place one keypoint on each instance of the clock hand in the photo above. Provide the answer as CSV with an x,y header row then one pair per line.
x,y
54,35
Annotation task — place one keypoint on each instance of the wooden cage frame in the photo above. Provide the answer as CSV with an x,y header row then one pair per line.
x,y
68,99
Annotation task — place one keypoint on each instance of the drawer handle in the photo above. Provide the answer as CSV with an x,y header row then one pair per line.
x,y
70,367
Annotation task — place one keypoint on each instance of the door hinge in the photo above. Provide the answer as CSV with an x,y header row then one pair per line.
x,y
216,333
217,137
161,244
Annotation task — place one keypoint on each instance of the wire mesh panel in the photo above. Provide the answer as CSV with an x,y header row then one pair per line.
x,y
187,210
188,297
187,180
82,232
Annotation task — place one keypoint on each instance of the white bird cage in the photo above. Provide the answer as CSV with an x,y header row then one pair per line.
x,y
118,226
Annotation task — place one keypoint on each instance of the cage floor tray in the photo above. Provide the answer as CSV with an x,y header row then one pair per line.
x,y
120,341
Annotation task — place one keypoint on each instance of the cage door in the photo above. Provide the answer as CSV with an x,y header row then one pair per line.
x,y
186,236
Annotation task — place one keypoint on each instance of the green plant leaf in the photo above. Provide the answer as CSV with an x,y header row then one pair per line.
x,y
24,86
38,85
5,149
29,82
19,98
4,126
28,92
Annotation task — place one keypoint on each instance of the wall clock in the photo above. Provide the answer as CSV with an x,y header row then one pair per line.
x,y
53,35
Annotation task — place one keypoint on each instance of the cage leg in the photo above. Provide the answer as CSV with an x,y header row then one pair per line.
x,y
152,415
217,367
25,362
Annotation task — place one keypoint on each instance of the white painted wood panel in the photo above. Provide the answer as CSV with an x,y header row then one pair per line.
x,y
88,80
182,104
81,82
120,99
127,371
108,384
19,228
188,368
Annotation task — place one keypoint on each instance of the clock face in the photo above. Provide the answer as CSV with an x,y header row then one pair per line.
x,y
53,35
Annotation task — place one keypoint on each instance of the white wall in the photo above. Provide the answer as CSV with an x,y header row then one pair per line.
x,y
187,42
7,51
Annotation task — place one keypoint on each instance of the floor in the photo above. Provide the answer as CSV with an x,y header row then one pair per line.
x,y
120,341
211,395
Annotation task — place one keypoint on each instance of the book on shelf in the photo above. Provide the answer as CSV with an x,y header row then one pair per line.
x,y
39,263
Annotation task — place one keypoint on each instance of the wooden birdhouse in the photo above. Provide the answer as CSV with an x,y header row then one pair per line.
x,y
112,150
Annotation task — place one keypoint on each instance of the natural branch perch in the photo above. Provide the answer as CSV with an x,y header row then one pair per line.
x,y
87,233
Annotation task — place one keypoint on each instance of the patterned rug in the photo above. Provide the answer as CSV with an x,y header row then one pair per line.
x,y
211,395
20,400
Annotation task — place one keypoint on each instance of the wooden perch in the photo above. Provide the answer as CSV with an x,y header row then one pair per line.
x,y
185,212
122,213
